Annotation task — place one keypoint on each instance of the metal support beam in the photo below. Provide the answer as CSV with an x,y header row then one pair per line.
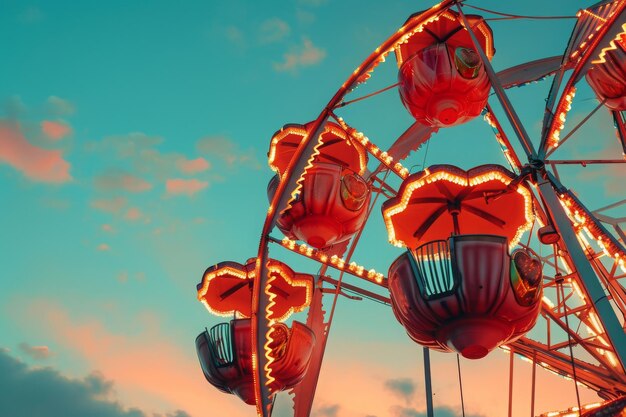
x,y
353,288
516,123
427,382
589,280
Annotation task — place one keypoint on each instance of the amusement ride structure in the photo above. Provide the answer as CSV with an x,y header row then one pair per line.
x,y
488,253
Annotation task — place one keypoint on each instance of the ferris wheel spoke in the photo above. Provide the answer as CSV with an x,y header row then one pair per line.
x,y
529,72
503,140
386,160
411,140
332,261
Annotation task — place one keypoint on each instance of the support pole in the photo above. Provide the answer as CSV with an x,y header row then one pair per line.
x,y
532,397
427,381
458,367
588,279
511,357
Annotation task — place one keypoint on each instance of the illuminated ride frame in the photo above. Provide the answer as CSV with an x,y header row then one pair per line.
x,y
583,277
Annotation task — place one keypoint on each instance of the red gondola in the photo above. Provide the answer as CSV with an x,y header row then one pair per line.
x,y
224,352
463,292
226,288
442,80
607,78
332,204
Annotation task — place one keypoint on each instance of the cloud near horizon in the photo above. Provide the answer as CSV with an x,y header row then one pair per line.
x,y
327,411
150,368
35,352
37,164
438,411
58,395
402,387
303,56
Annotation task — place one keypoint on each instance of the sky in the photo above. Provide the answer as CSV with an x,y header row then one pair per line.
x,y
133,146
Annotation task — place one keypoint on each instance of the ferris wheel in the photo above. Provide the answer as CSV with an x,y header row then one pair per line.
x,y
491,256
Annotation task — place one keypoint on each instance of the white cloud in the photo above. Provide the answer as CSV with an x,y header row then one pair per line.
x,y
59,106
226,150
103,247
121,181
273,30
235,35
303,56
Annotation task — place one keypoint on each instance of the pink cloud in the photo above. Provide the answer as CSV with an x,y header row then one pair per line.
x,y
123,277
107,228
192,166
227,150
305,56
103,247
113,205
121,181
178,186
38,164
55,130
133,214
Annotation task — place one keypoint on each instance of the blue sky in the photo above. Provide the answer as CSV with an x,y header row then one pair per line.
x,y
133,141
